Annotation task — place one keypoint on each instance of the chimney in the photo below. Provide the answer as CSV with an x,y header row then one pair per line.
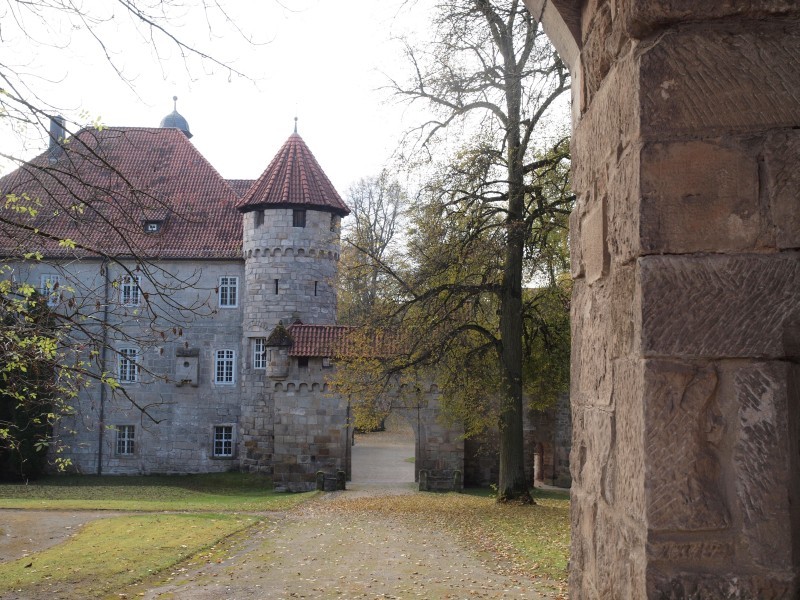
x,y
57,136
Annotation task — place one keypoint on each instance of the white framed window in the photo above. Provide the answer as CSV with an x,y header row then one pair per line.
x,y
130,294
49,284
223,440
260,353
224,367
127,365
229,292
125,440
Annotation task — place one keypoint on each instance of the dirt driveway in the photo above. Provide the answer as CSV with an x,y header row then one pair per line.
x,y
326,550
23,532
323,549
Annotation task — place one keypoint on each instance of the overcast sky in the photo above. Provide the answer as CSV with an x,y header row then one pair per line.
x,y
319,60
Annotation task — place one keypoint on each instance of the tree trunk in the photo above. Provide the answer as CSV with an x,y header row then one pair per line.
x,y
512,484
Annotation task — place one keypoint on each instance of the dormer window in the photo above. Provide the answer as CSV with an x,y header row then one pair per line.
x,y
152,226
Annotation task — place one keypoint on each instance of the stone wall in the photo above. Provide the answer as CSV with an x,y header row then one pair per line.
x,y
552,435
547,436
439,445
304,262
686,302
176,432
310,428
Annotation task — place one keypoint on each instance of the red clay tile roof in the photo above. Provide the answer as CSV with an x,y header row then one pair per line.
x,y
240,186
342,341
294,178
317,340
101,188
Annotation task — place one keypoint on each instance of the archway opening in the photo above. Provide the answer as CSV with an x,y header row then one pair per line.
x,y
385,456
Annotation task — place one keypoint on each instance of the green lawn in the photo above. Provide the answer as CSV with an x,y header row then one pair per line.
x,y
213,492
110,554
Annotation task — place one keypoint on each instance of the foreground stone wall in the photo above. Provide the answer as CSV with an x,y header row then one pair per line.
x,y
686,310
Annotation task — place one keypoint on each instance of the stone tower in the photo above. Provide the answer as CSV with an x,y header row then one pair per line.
x,y
291,231
291,227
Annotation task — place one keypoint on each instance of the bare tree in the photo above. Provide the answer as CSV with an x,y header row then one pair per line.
x,y
490,71
377,205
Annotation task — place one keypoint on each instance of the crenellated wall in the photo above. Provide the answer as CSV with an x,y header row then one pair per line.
x,y
686,308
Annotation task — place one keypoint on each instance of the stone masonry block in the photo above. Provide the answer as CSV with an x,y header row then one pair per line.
x,y
628,487
594,248
782,154
599,439
583,516
683,427
597,56
606,129
718,306
686,90
620,551
624,312
711,207
575,255
642,18
761,461
684,583
591,325
622,208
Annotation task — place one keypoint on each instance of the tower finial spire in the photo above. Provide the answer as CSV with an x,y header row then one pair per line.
x,y
295,124
175,103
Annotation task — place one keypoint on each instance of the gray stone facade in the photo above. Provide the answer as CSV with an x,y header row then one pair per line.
x,y
286,424
194,338
175,432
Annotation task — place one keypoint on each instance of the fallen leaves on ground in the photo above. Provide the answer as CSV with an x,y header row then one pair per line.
x,y
518,540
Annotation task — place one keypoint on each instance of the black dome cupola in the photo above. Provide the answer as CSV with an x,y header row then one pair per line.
x,y
176,120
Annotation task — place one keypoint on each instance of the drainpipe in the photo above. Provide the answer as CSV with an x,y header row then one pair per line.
x,y
348,445
103,357
418,445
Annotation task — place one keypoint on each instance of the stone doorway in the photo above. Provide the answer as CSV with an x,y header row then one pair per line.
x,y
385,457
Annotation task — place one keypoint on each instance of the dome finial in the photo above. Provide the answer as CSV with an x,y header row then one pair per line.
x,y
176,120
295,124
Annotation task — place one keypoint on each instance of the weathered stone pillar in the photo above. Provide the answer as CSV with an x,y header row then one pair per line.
x,y
686,311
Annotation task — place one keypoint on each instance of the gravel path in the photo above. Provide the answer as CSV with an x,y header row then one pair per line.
x,y
23,532
320,550
324,551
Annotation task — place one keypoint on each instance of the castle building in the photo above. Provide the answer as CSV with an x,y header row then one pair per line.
x,y
214,300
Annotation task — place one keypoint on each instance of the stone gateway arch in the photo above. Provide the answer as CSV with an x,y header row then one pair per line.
x,y
686,310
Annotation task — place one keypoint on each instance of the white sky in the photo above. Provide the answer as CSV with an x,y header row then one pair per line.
x,y
322,62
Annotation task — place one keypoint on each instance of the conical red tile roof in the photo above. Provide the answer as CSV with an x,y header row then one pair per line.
x,y
294,178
